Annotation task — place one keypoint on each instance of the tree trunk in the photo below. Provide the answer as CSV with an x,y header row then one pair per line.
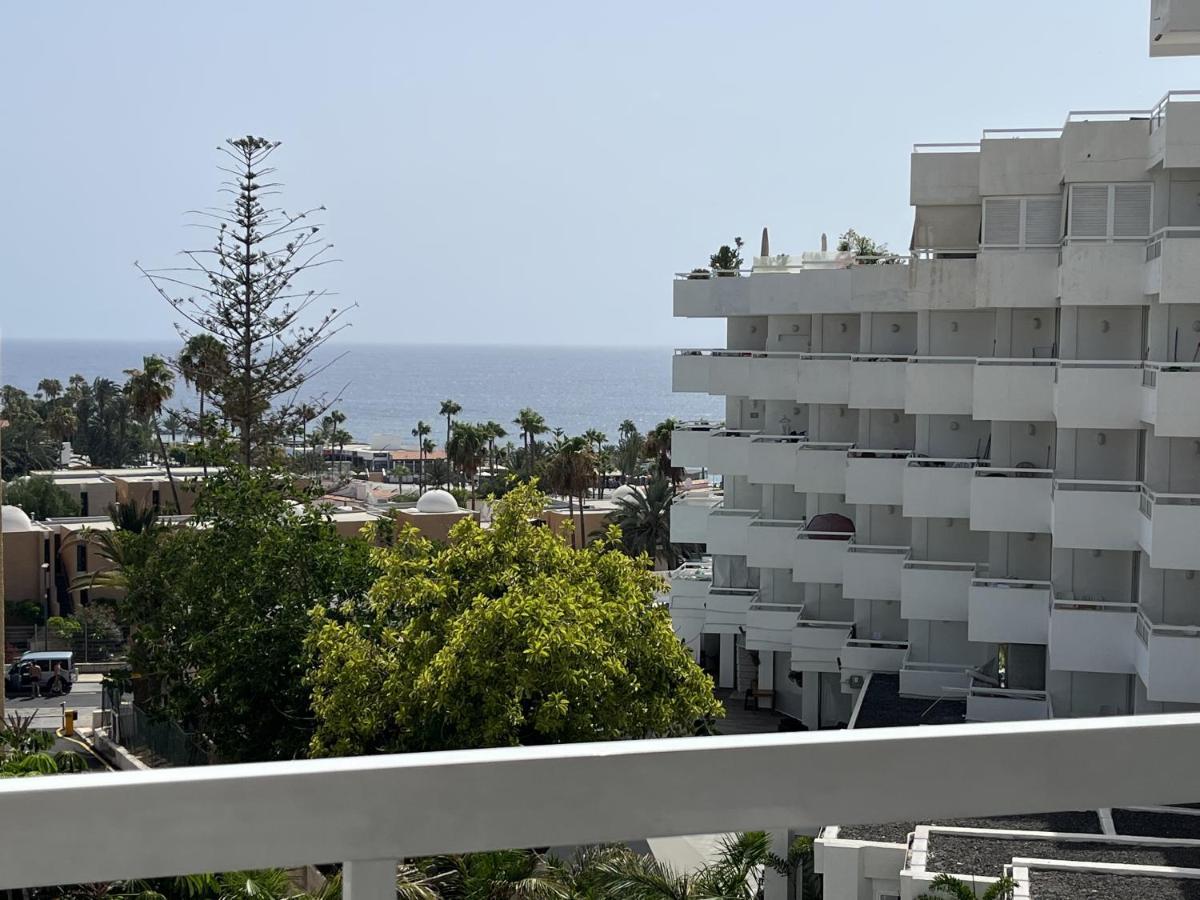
x,y
200,428
167,463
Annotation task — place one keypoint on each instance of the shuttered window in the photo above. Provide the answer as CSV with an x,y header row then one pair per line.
x,y
1002,221
1108,211
1022,221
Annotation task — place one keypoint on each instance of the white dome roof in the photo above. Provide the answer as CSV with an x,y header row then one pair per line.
x,y
437,501
625,492
14,519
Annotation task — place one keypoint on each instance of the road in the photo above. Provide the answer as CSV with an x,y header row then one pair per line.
x,y
84,697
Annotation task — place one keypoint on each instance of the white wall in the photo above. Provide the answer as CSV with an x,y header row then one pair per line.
x,y
1103,575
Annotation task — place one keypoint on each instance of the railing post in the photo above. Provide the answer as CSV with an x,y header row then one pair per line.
x,y
369,879
775,884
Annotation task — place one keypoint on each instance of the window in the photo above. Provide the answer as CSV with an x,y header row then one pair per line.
x,y
154,498
1110,211
1021,222
81,557
83,503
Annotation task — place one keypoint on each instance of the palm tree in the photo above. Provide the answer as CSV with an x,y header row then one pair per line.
x,y
62,422
306,413
422,429
570,472
466,449
658,449
204,364
627,428
734,875
645,522
449,409
597,437
122,546
629,453
427,447
148,389
493,431
50,388
531,424
947,887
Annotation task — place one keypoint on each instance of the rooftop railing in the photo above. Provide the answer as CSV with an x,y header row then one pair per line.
x,y
369,812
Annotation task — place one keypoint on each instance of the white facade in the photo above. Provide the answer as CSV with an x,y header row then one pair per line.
x,y
1009,416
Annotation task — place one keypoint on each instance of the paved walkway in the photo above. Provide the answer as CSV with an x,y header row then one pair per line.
x,y
739,720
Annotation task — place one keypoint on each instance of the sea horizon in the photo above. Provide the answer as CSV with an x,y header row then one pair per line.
x,y
386,387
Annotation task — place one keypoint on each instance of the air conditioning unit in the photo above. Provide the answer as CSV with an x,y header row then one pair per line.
x,y
855,681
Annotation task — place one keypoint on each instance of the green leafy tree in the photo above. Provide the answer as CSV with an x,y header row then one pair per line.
x,y
40,497
657,449
506,636
27,442
220,613
629,452
493,431
466,450
866,249
245,291
597,439
50,388
727,259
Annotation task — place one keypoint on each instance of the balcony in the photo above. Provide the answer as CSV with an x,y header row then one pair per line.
x,y
1168,660
689,516
1099,273
711,297
1169,392
939,385
773,459
1012,279
773,376
360,810
1014,390
817,644
944,283
876,476
1096,515
938,488
770,626
689,371
877,382
872,572
729,451
860,657
692,580
1012,500
926,679
729,373
1170,529
819,556
821,467
728,531
1093,636
1098,394
726,609
689,444
944,174
771,543
988,704
1009,611
823,378
1172,266
936,591
1174,29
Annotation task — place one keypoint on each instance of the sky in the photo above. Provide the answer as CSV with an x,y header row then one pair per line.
x,y
511,173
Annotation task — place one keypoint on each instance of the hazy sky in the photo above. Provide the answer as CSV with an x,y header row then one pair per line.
x,y
517,173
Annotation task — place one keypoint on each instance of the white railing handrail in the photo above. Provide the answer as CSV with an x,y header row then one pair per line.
x,y
867,453
880,357
828,445
1012,583
1016,361
944,360
1014,133
1013,472
952,146
941,566
1166,229
825,536
253,816
826,623
1094,605
937,462
1100,363
1186,631
1077,484
881,549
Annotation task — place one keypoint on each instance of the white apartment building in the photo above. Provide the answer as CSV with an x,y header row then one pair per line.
x,y
978,465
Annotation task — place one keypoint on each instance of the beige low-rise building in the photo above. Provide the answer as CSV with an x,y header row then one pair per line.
x,y
434,515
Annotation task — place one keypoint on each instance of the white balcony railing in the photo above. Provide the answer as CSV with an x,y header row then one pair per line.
x,y
877,381
1011,500
1096,515
1009,610
939,385
371,811
988,704
819,557
817,644
1014,390
872,572
1093,636
821,467
938,487
1169,392
936,591
1169,526
875,476
771,626
1098,394
771,543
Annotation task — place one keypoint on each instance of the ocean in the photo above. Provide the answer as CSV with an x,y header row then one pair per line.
x,y
386,388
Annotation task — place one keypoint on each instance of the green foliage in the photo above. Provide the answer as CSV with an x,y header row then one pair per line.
x,y
220,613
645,523
25,750
800,863
64,628
23,612
947,887
506,636
862,246
727,259
40,497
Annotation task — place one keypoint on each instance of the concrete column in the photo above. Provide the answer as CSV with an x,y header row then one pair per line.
x,y
810,701
369,879
775,886
766,674
728,662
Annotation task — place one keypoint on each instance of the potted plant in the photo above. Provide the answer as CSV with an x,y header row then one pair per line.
x,y
727,261
697,273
